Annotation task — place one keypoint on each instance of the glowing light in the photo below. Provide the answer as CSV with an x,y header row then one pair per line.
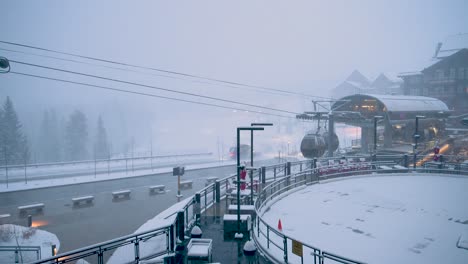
x,y
39,223
430,156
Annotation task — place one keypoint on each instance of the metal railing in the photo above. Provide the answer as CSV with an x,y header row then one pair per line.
x,y
269,239
96,253
273,180
17,251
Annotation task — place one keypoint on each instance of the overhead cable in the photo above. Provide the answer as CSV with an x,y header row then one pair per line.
x,y
150,86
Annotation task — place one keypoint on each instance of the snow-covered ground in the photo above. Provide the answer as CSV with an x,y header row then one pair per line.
x,y
16,186
13,235
379,219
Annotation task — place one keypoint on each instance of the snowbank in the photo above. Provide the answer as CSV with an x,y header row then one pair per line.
x,y
13,235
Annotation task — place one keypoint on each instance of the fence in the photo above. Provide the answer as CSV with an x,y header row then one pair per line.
x,y
272,181
28,171
19,250
269,239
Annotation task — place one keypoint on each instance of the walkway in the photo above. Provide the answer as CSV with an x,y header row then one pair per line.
x,y
224,251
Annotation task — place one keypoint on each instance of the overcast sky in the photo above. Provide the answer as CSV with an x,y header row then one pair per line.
x,y
293,45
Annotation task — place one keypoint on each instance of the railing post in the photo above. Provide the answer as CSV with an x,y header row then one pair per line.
x,y
288,168
263,175
405,160
180,226
274,173
300,167
258,227
196,207
137,251
205,199
268,236
186,216
16,256
100,257
218,191
285,243
172,238
251,187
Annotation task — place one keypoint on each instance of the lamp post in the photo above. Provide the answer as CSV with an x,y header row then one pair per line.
x,y
251,153
239,129
416,136
375,135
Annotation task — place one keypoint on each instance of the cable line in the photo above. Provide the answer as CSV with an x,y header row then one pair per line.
x,y
158,69
151,87
133,71
145,94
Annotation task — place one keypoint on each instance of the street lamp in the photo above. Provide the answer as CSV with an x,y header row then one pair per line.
x,y
375,134
251,139
251,154
416,136
239,129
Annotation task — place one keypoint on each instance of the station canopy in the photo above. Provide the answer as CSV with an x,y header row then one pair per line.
x,y
394,107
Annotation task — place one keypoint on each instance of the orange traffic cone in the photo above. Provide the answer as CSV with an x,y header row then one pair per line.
x,y
280,227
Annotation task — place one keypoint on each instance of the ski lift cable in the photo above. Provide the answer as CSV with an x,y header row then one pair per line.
x,y
144,94
150,86
157,69
135,71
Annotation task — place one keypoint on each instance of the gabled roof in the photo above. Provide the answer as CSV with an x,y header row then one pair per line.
x,y
357,77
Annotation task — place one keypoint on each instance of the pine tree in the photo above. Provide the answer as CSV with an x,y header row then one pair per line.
x,y
54,137
101,145
15,148
44,138
76,136
49,143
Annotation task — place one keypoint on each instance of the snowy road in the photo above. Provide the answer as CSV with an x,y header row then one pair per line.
x,y
105,219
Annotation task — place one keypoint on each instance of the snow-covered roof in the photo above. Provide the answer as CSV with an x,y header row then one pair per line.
x,y
410,73
404,103
355,84
452,44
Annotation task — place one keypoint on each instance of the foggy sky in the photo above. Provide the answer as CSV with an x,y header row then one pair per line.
x,y
308,46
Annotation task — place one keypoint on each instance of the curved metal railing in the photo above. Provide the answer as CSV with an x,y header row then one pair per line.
x,y
269,239
272,181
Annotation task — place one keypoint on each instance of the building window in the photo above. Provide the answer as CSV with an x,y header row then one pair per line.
x,y
452,74
461,73
439,74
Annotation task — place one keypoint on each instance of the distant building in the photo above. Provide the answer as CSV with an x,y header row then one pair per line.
x,y
445,77
357,83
